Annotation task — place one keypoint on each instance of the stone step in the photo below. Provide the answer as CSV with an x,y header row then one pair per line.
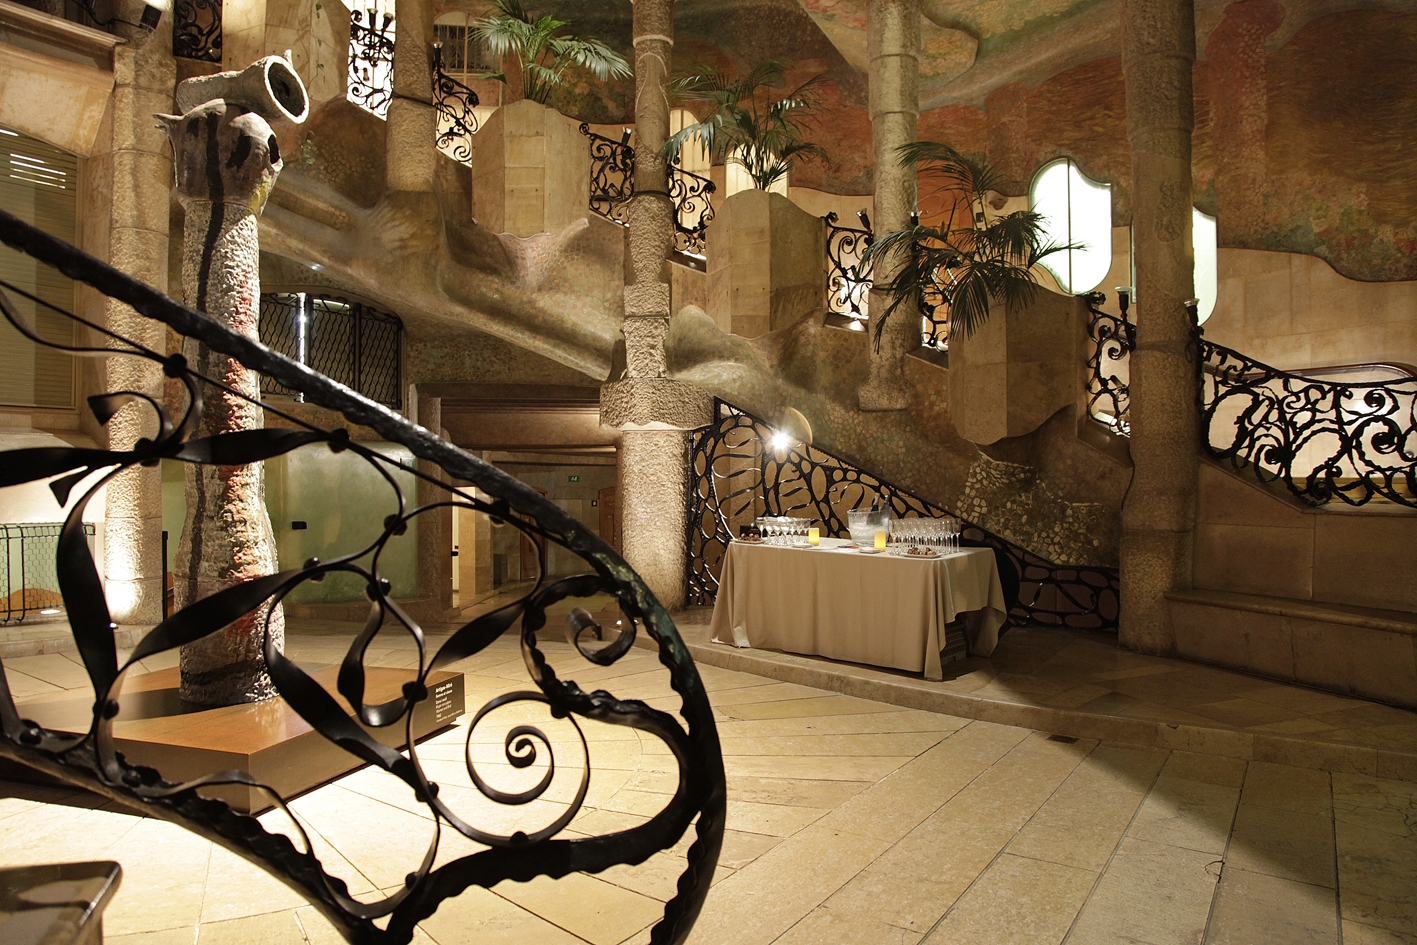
x,y
1362,651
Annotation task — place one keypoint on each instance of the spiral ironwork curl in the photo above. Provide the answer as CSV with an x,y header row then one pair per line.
x,y
90,760
693,210
1113,338
848,278
371,61
612,175
196,30
1322,440
454,103
738,473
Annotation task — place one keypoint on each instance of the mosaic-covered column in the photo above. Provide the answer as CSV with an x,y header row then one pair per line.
x,y
652,411
893,43
137,173
412,124
1157,53
227,161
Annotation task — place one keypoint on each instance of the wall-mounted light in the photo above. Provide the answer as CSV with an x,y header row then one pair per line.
x,y
780,440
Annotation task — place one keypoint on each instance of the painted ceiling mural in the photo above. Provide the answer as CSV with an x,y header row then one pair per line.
x,y
1306,113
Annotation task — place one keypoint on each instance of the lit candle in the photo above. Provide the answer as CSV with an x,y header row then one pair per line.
x,y
814,536
880,539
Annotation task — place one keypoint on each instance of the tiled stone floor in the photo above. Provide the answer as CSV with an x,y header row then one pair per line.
x,y
851,821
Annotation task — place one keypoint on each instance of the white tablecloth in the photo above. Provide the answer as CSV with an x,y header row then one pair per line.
x,y
880,609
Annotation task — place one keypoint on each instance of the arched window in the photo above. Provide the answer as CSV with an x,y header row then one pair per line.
x,y
463,53
1076,210
1203,242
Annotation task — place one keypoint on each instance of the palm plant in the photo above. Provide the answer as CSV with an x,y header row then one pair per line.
x,y
542,56
747,126
973,262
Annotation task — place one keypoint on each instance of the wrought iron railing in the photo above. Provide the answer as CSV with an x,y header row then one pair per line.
x,y
371,60
1113,339
693,210
848,278
935,310
1324,440
196,30
738,472
351,342
453,102
89,759
612,175
29,583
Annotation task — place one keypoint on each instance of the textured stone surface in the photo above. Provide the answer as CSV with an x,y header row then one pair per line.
x,y
653,478
650,401
227,537
1014,502
766,264
528,170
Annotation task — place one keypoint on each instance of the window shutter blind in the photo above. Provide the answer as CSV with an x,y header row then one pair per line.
x,y
38,184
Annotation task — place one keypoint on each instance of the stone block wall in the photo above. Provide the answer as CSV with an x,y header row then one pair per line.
x,y
530,171
766,264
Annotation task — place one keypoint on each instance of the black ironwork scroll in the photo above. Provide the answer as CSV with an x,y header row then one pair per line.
x,y
848,279
90,759
454,103
738,472
1323,440
693,210
1114,338
612,175
371,61
351,342
935,309
196,30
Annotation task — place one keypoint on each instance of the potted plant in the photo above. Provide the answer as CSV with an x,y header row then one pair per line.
x,y
542,55
974,257
747,125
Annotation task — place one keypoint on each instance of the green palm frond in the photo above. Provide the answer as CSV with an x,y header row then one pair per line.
x,y
542,55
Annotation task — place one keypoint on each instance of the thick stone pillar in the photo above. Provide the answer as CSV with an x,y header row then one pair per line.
x,y
652,411
227,165
1157,52
140,165
1240,115
893,42
412,124
435,528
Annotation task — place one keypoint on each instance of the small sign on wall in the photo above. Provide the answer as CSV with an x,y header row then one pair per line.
x,y
573,478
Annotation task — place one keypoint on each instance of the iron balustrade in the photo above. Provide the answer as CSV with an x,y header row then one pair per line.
x,y
1113,339
1323,440
453,103
738,472
29,583
371,61
612,175
693,210
89,759
196,30
935,310
848,278
351,342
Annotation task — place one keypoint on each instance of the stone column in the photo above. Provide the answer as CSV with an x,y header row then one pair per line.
x,y
227,164
893,42
140,164
1239,116
652,411
1157,52
435,528
412,125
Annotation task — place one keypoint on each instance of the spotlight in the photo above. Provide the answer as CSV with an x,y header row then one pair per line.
x,y
49,611
780,440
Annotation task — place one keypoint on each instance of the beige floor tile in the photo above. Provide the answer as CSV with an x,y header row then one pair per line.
x,y
814,767
597,911
768,692
803,708
24,687
57,669
81,833
794,792
384,843
1016,786
775,820
184,936
1084,820
1355,933
891,722
1253,907
479,917
766,898
1017,901
1150,893
165,877
740,849
236,888
1283,787
1075,696
1283,843
1377,873
275,928
1184,813
1243,712
912,743
825,926
913,883
891,809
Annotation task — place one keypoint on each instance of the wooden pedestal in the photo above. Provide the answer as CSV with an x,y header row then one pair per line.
x,y
265,739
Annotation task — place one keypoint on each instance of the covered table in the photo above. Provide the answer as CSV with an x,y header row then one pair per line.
x,y
834,601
